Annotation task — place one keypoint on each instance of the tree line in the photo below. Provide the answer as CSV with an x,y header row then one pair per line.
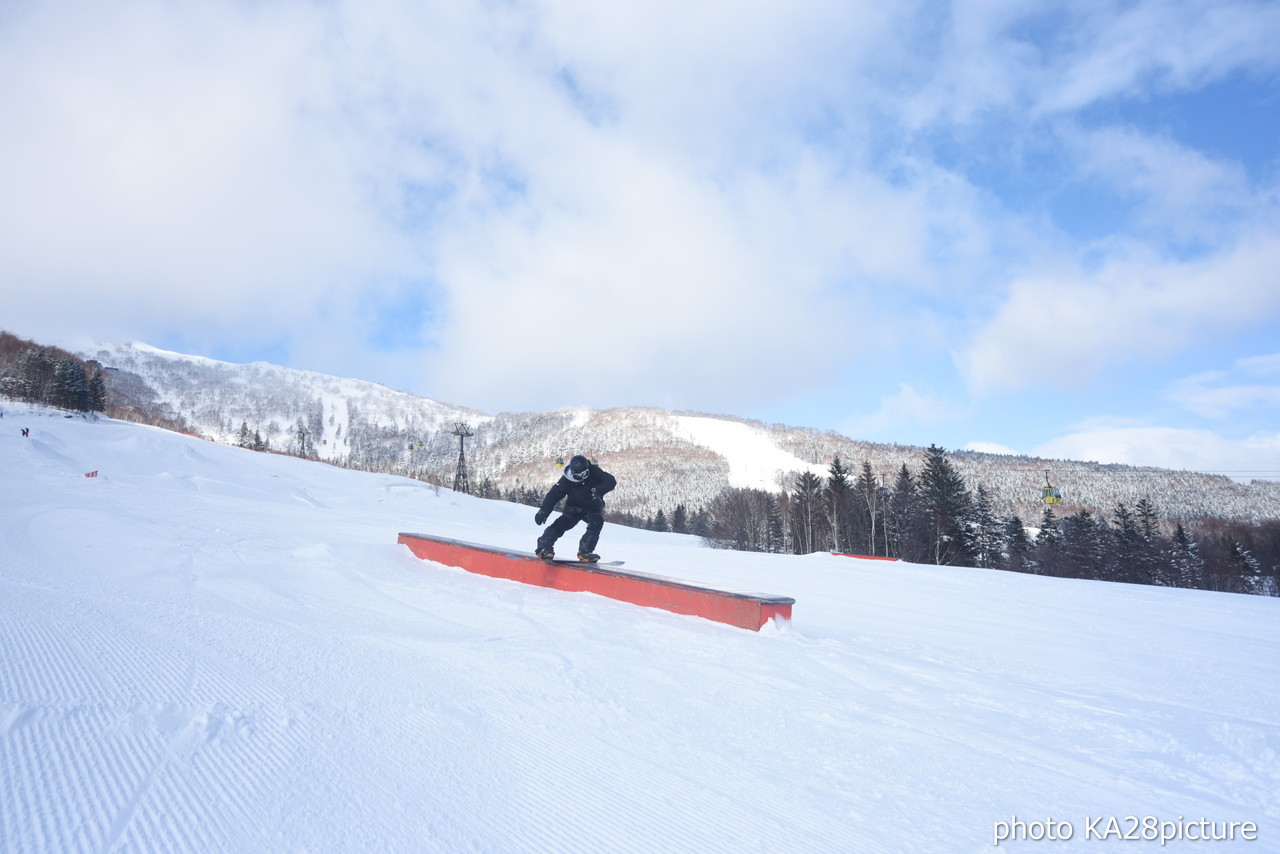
x,y
934,517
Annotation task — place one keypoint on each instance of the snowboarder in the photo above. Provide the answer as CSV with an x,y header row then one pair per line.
x,y
583,487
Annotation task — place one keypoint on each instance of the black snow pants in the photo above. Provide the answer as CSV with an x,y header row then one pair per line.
x,y
570,517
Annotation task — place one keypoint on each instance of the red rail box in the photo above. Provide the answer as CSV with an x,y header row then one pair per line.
x,y
745,610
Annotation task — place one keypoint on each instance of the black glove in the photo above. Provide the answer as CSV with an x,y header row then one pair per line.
x,y
596,500
540,516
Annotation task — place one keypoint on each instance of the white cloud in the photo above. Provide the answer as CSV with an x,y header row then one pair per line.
x,y
1263,366
253,170
1046,60
718,81
160,161
1156,45
1178,192
1168,447
1222,394
906,409
1063,329
976,65
636,274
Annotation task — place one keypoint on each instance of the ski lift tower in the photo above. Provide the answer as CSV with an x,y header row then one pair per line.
x,y
460,484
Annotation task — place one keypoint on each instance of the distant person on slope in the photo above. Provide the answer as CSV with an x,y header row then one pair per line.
x,y
583,487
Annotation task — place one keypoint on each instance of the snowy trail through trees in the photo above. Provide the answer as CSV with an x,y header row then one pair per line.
x,y
211,649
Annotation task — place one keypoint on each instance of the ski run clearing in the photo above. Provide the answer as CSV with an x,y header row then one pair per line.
x,y
208,649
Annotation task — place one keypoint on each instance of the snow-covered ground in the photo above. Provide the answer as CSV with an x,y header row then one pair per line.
x,y
207,649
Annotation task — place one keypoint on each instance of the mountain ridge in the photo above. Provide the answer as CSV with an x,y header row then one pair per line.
x,y
663,458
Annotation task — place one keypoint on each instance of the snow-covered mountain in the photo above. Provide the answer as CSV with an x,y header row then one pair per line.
x,y
662,458
207,649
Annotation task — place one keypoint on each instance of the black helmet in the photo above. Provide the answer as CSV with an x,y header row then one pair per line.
x,y
578,469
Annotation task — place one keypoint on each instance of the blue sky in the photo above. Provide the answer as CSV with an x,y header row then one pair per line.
x,y
1045,227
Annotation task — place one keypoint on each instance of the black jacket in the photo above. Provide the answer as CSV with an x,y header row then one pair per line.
x,y
579,494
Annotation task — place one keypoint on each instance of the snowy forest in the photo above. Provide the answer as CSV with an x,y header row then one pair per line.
x,y
823,492
934,517
50,376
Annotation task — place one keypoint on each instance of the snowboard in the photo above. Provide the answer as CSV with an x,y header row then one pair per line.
x,y
576,562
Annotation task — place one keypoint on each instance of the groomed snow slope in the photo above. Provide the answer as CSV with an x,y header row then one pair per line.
x,y
207,649
755,461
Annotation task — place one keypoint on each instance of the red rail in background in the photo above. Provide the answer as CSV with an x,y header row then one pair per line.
x,y
865,557
745,610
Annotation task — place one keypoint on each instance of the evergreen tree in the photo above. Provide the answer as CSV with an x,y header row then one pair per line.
x,y
660,521
33,375
680,520
806,510
244,440
838,504
1048,551
986,533
870,514
1018,548
70,386
1083,546
776,535
315,424
1153,555
1148,520
1184,559
97,393
1103,564
908,525
1245,567
1127,548
948,503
